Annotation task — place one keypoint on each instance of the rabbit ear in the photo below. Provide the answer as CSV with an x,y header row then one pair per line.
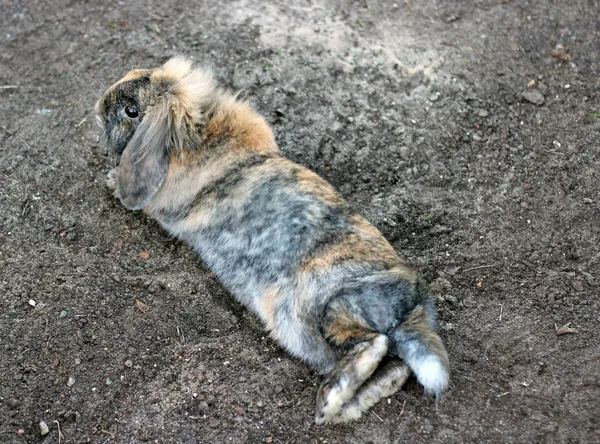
x,y
176,98
144,162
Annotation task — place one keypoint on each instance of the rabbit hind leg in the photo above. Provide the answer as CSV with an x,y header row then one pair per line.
x,y
366,349
387,380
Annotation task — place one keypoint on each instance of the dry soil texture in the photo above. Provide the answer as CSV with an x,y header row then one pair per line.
x,y
467,131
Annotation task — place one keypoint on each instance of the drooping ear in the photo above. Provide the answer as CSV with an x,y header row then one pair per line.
x,y
177,96
144,162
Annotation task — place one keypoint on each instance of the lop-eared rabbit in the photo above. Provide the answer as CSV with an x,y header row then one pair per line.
x,y
325,283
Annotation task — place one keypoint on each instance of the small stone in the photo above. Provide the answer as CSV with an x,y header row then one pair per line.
x,y
434,97
260,404
556,144
440,285
71,416
240,411
64,314
482,112
77,361
128,363
21,432
577,285
448,326
71,381
214,423
451,299
44,428
470,356
587,200
524,204
534,96
32,302
404,151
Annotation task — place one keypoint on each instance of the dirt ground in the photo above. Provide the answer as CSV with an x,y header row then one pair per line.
x,y
467,131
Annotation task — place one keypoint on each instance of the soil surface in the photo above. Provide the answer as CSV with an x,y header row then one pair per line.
x,y
467,131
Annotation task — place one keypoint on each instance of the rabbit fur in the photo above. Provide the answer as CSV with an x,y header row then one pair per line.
x,y
325,283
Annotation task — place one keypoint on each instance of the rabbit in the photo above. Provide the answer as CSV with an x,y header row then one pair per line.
x,y
324,282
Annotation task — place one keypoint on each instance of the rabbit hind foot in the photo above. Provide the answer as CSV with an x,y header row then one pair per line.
x,y
349,374
386,381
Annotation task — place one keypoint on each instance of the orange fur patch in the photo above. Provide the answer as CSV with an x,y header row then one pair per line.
x,y
268,308
312,183
131,75
342,327
238,125
364,244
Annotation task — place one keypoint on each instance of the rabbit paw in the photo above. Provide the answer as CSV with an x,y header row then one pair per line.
x,y
111,181
348,375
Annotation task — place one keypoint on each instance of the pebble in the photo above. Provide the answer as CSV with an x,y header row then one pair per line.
x,y
451,299
482,112
577,285
44,428
434,97
441,285
128,363
32,302
71,416
64,314
534,96
71,381
448,326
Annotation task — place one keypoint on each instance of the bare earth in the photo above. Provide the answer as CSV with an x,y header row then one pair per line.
x,y
462,129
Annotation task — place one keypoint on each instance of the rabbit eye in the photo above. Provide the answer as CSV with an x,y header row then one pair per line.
x,y
131,112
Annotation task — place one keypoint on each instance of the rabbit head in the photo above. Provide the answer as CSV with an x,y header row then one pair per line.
x,y
148,115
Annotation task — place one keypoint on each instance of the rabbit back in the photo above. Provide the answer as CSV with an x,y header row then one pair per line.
x,y
281,240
